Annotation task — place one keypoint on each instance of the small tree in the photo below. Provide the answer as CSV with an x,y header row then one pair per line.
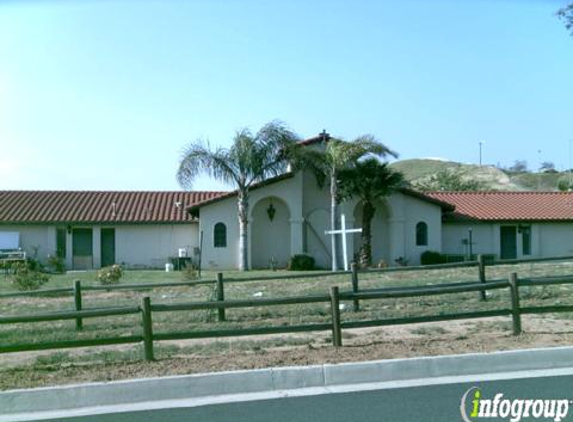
x,y
328,163
250,159
565,183
368,180
547,167
519,166
27,275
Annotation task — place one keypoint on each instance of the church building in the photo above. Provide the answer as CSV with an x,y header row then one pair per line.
x,y
288,215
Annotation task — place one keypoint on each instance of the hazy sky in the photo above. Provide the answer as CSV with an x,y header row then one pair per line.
x,y
105,94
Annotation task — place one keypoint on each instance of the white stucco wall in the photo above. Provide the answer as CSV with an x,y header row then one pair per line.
x,y
316,212
394,228
152,245
34,238
547,239
135,245
485,238
553,239
271,245
414,211
225,211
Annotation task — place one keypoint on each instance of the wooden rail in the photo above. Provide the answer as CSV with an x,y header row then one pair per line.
x,y
480,263
146,309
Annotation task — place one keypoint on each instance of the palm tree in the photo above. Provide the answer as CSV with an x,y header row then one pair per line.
x,y
368,180
336,156
250,159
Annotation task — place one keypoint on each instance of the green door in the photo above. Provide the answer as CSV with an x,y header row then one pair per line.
x,y
107,247
82,248
508,237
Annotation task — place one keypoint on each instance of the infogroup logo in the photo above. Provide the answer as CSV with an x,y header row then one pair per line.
x,y
474,407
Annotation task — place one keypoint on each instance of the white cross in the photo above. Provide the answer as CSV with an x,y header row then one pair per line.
x,y
343,231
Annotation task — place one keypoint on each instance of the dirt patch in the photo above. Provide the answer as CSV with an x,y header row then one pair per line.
x,y
24,370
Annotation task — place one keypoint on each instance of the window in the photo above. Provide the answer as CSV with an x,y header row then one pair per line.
x,y
526,240
220,235
421,234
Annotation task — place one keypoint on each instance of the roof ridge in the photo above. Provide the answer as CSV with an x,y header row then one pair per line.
x,y
18,206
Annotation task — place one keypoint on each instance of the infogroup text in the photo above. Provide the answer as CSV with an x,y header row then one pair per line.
x,y
474,407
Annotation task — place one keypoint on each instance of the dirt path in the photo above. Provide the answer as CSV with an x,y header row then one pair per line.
x,y
23,371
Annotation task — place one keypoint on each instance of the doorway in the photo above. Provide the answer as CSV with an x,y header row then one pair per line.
x,y
82,248
508,238
107,247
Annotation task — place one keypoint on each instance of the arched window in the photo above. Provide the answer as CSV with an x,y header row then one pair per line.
x,y
421,234
220,235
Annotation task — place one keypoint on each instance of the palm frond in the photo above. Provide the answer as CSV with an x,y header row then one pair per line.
x,y
241,155
302,157
341,153
566,15
270,154
198,157
368,180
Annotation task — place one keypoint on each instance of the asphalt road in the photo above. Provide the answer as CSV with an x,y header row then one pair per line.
x,y
437,403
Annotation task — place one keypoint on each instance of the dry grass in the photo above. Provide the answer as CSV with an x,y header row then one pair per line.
x,y
252,317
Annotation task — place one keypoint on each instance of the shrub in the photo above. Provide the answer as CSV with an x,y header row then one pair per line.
x,y
26,277
432,257
57,264
301,262
34,265
110,275
189,272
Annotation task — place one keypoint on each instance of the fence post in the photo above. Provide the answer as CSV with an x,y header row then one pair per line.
x,y
220,295
481,274
515,309
354,267
78,303
335,308
147,328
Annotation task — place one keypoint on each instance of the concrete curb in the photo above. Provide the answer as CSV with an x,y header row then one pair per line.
x,y
272,380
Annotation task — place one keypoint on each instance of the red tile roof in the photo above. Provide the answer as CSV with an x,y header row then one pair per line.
x,y
321,137
194,208
35,207
505,206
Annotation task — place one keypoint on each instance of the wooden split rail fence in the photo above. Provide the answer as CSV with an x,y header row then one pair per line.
x,y
147,309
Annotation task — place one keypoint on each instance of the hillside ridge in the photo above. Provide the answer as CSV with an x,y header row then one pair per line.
x,y
490,177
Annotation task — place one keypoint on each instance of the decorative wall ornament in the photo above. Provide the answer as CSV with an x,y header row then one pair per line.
x,y
271,211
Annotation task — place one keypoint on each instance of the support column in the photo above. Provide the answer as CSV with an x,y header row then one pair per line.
x,y
50,242
397,240
96,247
249,241
69,249
296,236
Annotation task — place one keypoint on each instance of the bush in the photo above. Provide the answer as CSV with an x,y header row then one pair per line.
x,y
110,275
26,276
432,258
301,262
57,264
189,272
34,265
